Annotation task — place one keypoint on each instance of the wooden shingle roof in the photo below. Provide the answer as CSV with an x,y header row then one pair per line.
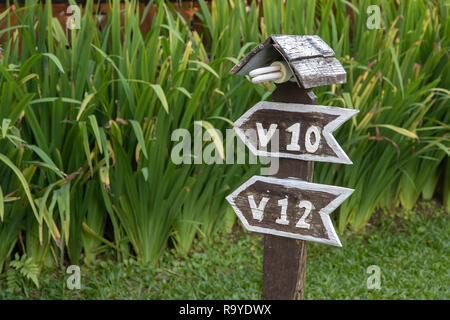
x,y
311,60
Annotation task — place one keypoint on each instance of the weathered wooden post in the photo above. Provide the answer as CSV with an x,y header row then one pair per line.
x,y
287,207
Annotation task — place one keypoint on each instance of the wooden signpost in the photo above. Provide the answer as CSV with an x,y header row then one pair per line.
x,y
304,130
287,207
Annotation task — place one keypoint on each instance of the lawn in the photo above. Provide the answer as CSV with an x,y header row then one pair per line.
x,y
410,247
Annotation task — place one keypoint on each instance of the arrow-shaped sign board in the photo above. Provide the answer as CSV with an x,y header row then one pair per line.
x,y
289,208
303,132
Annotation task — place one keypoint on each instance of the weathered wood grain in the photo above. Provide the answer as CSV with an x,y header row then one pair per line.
x,y
309,58
259,203
284,268
280,253
296,47
304,132
319,71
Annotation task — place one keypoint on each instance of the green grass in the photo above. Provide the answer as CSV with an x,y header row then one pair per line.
x,y
85,147
410,246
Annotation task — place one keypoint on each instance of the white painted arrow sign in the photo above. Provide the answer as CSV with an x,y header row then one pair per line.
x,y
302,132
289,208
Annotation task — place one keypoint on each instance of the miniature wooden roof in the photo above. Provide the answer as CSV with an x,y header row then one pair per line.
x,y
309,57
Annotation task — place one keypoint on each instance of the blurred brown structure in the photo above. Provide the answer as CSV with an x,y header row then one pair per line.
x,y
101,10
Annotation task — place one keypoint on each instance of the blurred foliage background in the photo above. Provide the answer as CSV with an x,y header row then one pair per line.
x,y
87,117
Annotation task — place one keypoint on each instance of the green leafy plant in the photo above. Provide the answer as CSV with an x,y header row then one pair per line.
x,y
87,114
26,268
